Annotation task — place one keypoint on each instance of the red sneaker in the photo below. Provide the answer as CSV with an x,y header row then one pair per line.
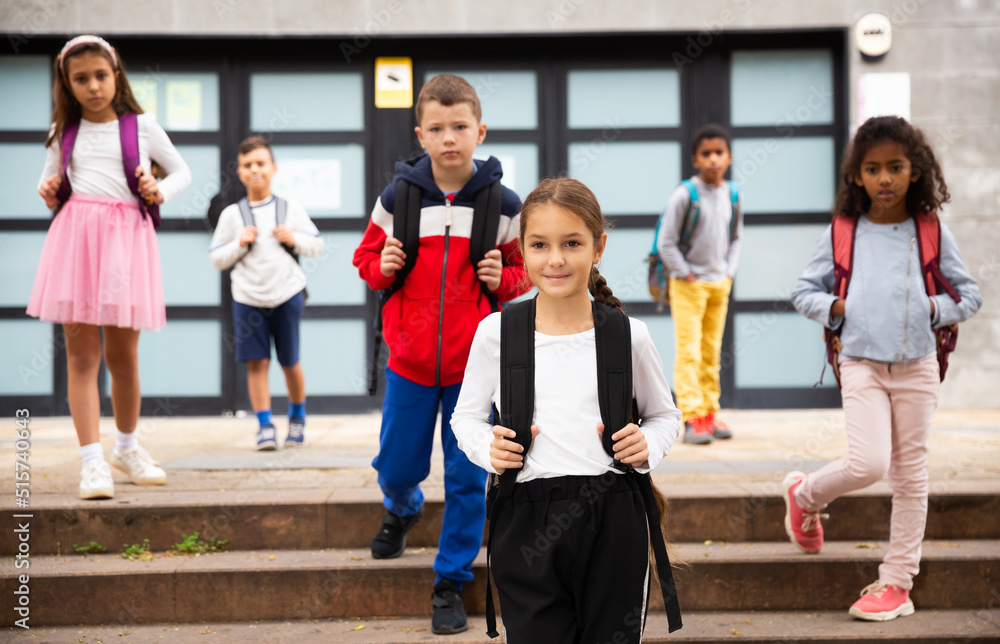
x,y
803,528
881,602
698,431
720,430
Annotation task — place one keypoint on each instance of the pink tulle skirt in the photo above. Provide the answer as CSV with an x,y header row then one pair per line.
x,y
100,265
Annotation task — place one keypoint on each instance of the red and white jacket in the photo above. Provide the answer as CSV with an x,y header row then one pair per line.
x,y
429,323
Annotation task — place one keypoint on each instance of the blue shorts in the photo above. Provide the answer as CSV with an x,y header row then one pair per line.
x,y
254,327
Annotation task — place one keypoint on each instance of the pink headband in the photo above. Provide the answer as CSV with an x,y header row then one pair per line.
x,y
83,40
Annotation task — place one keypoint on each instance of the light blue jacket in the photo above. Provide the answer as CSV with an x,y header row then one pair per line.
x,y
888,313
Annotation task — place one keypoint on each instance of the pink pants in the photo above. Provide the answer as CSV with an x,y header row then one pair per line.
x,y
888,409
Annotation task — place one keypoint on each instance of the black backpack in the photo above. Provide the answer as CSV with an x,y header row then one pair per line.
x,y
618,408
280,214
406,228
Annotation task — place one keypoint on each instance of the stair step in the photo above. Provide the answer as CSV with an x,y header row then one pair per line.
x,y
309,584
824,627
349,518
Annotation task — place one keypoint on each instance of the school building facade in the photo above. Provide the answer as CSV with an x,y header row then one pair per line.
x,y
607,92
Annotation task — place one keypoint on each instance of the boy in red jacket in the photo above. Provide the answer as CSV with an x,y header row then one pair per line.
x,y
428,326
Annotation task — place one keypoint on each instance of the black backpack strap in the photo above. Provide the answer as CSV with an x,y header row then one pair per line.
x,y
613,338
517,408
406,228
485,225
280,215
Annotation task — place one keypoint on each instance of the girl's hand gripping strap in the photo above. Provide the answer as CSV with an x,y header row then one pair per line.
x,y
517,406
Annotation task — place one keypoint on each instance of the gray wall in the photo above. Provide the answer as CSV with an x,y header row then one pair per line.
x,y
951,49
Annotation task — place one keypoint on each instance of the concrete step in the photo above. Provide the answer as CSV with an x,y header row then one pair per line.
x,y
349,518
310,584
826,627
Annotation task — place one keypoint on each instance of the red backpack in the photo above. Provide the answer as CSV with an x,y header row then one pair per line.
x,y
928,245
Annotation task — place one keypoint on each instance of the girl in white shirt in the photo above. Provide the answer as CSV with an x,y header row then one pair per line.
x,y
570,549
100,265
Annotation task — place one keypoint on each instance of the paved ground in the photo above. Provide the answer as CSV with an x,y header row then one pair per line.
x,y
215,453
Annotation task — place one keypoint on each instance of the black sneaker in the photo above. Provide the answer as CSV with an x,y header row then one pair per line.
x,y
390,542
449,611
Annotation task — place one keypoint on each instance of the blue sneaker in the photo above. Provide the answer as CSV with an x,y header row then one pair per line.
x,y
267,438
296,432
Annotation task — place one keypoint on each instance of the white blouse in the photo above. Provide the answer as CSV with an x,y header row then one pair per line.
x,y
567,410
96,166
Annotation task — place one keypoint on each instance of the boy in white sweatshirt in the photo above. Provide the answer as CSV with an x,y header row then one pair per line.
x,y
268,285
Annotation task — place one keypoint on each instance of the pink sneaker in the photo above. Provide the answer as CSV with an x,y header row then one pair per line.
x,y
881,602
803,528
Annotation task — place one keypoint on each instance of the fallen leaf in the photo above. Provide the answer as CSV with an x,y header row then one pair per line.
x,y
271,558
735,633
358,627
869,546
708,542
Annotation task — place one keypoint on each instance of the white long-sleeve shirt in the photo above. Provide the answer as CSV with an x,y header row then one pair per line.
x,y
567,410
96,165
265,276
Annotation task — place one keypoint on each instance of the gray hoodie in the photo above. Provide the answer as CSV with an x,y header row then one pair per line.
x,y
888,315
711,256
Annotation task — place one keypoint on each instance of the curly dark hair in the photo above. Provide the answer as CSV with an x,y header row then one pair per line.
x,y
710,131
926,194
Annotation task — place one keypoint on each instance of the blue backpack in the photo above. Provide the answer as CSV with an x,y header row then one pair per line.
x,y
657,279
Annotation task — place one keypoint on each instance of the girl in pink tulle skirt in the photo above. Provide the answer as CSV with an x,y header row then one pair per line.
x,y
99,273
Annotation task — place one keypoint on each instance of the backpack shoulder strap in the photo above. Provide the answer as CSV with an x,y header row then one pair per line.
x,y
128,131
691,215
245,213
66,145
485,226
842,232
929,245
517,369
734,200
613,338
280,211
406,227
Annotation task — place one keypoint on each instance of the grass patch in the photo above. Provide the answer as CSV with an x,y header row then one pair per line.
x,y
137,551
190,544
92,548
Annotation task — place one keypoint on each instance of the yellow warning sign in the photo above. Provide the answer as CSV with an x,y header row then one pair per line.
x,y
393,82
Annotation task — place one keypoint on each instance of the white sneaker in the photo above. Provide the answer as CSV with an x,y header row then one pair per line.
x,y
139,465
96,482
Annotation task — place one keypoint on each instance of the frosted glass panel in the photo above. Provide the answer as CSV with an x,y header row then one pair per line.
x,y
519,161
193,202
334,358
296,102
509,99
785,175
188,277
778,349
182,359
27,354
28,79
328,180
332,277
624,263
661,329
628,178
782,88
182,102
772,258
622,98
21,252
22,170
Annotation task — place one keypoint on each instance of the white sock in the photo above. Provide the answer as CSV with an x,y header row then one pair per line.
x,y
125,441
91,453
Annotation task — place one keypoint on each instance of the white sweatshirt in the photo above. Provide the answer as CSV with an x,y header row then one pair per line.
x,y
266,275
96,166
567,410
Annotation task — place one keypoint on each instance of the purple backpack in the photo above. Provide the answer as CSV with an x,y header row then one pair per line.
x,y
128,128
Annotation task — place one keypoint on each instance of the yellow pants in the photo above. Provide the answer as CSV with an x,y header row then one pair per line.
x,y
699,312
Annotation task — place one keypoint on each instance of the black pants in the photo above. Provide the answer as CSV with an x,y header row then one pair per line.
x,y
571,561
